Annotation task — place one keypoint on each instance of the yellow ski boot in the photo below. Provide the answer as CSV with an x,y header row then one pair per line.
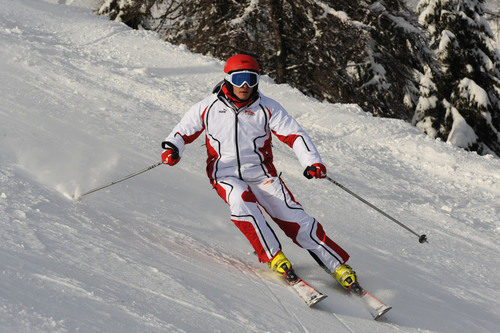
x,y
345,276
280,264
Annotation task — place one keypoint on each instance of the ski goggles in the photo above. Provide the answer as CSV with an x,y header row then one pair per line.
x,y
238,79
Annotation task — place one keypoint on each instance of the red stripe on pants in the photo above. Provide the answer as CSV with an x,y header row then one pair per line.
x,y
320,233
248,230
291,229
221,191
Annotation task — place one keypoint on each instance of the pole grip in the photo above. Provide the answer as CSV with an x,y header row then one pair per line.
x,y
306,172
169,145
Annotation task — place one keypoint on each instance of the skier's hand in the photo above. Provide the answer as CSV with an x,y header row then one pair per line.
x,y
317,170
171,154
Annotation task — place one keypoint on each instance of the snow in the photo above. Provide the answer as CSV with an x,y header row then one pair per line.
x,y
378,79
461,134
328,10
252,6
447,41
425,103
471,91
85,101
425,125
403,24
342,16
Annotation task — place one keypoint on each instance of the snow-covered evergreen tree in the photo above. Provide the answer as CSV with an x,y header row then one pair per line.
x,y
430,111
367,52
128,11
470,83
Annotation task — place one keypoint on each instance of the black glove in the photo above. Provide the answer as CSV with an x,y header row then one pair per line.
x,y
171,154
317,170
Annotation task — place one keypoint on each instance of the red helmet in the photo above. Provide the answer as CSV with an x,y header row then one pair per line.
x,y
241,62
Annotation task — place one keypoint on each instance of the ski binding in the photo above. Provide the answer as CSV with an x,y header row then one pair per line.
x,y
307,293
373,304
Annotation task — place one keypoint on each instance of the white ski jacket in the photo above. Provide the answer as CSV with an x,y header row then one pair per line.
x,y
238,141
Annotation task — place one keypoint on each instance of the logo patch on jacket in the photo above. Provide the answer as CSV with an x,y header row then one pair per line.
x,y
250,113
270,181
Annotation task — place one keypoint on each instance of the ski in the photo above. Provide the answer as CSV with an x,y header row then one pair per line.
x,y
307,293
373,304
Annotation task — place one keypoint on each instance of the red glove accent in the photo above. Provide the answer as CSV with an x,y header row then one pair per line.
x,y
170,157
317,170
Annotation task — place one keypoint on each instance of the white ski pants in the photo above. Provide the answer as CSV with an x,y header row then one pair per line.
x,y
272,194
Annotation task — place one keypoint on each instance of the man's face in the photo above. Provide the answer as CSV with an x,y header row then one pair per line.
x,y
244,92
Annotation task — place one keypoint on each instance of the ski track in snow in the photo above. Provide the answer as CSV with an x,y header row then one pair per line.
x,y
85,101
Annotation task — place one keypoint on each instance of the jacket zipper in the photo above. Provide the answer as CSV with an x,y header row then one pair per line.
x,y
236,140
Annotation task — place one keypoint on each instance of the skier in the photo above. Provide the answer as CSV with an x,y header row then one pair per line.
x,y
238,121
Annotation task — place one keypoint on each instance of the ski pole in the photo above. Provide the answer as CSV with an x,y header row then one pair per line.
x,y
117,181
421,238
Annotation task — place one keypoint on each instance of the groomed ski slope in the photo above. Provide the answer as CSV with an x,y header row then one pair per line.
x,y
85,101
